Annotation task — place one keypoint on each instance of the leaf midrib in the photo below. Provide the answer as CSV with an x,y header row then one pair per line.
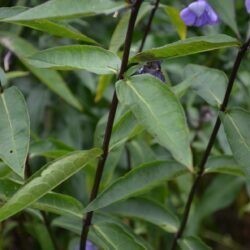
x,y
151,111
11,128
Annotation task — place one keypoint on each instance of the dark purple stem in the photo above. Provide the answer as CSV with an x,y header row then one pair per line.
x,y
148,27
100,167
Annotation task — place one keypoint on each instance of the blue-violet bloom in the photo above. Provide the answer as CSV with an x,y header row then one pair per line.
x,y
89,246
247,3
198,14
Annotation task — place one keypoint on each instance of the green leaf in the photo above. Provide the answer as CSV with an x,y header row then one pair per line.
x,y
105,232
137,181
50,148
119,34
224,165
116,237
124,129
50,78
39,232
51,202
159,111
53,28
59,204
6,12
226,12
4,170
14,129
103,82
8,188
61,9
146,210
236,123
220,193
192,243
208,83
16,74
74,224
174,15
56,29
186,47
45,180
125,126
3,78
90,58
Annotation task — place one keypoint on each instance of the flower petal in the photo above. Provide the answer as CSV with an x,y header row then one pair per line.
x,y
247,3
188,16
198,14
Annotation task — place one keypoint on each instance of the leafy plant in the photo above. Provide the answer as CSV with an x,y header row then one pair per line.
x,y
124,125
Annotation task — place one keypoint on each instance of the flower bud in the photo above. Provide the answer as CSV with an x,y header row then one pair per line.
x,y
153,68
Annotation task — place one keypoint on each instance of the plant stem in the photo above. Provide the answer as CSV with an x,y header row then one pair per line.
x,y
211,142
148,27
1,88
111,117
128,156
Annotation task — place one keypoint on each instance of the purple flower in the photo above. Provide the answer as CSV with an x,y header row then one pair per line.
x,y
199,13
247,3
89,246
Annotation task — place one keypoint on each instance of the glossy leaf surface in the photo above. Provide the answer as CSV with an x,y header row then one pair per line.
x,y
186,47
47,179
159,111
61,9
236,123
136,181
147,210
14,129
90,58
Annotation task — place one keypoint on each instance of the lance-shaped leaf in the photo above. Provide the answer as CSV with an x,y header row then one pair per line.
x,y
147,210
47,179
225,165
6,12
53,28
50,78
106,232
90,58
59,204
14,129
236,123
52,202
137,181
177,22
61,9
157,108
117,237
192,243
186,47
210,84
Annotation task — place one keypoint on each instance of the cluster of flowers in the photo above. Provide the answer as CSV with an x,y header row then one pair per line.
x,y
200,13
